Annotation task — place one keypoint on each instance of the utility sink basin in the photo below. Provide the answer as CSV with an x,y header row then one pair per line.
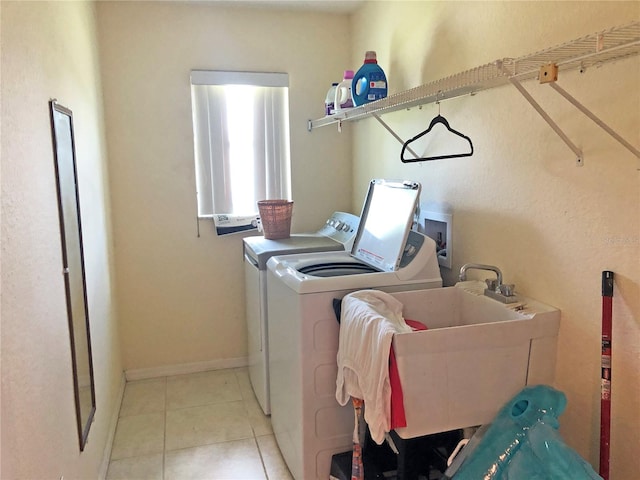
x,y
476,354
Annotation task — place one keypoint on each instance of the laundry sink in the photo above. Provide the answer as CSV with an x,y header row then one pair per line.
x,y
476,354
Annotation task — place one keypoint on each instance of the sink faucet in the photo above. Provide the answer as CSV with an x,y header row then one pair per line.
x,y
495,288
479,266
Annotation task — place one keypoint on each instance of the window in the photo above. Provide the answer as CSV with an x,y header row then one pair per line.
x,y
241,140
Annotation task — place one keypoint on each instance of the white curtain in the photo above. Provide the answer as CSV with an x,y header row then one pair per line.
x,y
241,139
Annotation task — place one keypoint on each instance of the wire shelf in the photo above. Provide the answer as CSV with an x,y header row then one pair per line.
x,y
592,50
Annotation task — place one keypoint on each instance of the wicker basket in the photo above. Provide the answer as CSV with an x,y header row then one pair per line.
x,y
275,216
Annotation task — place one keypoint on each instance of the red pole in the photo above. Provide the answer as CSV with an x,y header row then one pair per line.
x,y
357,462
605,380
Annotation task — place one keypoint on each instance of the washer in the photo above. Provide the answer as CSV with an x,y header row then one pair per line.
x,y
309,424
337,233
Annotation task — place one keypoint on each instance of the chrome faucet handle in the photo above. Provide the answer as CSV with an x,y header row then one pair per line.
x,y
508,290
492,284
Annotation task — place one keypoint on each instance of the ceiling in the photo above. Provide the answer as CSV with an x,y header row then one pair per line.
x,y
326,6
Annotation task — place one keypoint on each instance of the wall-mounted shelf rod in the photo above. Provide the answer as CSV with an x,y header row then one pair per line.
x,y
394,134
549,120
597,121
549,74
592,50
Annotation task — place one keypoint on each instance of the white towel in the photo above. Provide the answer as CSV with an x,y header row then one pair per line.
x,y
368,321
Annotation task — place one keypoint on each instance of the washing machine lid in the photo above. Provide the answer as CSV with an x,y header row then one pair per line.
x,y
260,249
387,216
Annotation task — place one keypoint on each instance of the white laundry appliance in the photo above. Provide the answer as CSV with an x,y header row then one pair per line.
x,y
309,424
337,234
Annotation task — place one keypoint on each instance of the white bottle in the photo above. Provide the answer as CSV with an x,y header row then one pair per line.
x,y
344,99
330,100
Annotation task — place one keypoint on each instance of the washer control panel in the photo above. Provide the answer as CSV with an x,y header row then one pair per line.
x,y
341,227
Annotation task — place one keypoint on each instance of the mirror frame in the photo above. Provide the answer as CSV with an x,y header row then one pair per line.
x,y
64,153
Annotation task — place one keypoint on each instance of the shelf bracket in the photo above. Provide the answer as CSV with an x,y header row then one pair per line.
x,y
549,120
595,119
395,135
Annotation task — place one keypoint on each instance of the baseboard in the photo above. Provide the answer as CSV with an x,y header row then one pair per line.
x,y
168,370
104,467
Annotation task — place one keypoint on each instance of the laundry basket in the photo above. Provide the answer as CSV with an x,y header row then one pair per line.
x,y
275,216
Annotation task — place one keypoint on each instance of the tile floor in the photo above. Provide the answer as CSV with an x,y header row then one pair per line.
x,y
199,426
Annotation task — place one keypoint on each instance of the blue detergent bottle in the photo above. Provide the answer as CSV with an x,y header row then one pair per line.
x,y
370,82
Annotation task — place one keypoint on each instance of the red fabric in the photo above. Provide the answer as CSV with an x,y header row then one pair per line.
x,y
398,418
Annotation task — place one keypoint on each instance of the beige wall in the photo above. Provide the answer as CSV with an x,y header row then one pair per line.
x,y
181,297
49,50
520,202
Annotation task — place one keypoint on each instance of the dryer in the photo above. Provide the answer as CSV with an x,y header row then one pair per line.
x,y
309,424
337,233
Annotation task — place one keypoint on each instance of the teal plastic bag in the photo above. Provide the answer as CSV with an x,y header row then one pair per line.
x,y
523,443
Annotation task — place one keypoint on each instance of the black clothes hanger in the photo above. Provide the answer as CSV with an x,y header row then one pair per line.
x,y
438,119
